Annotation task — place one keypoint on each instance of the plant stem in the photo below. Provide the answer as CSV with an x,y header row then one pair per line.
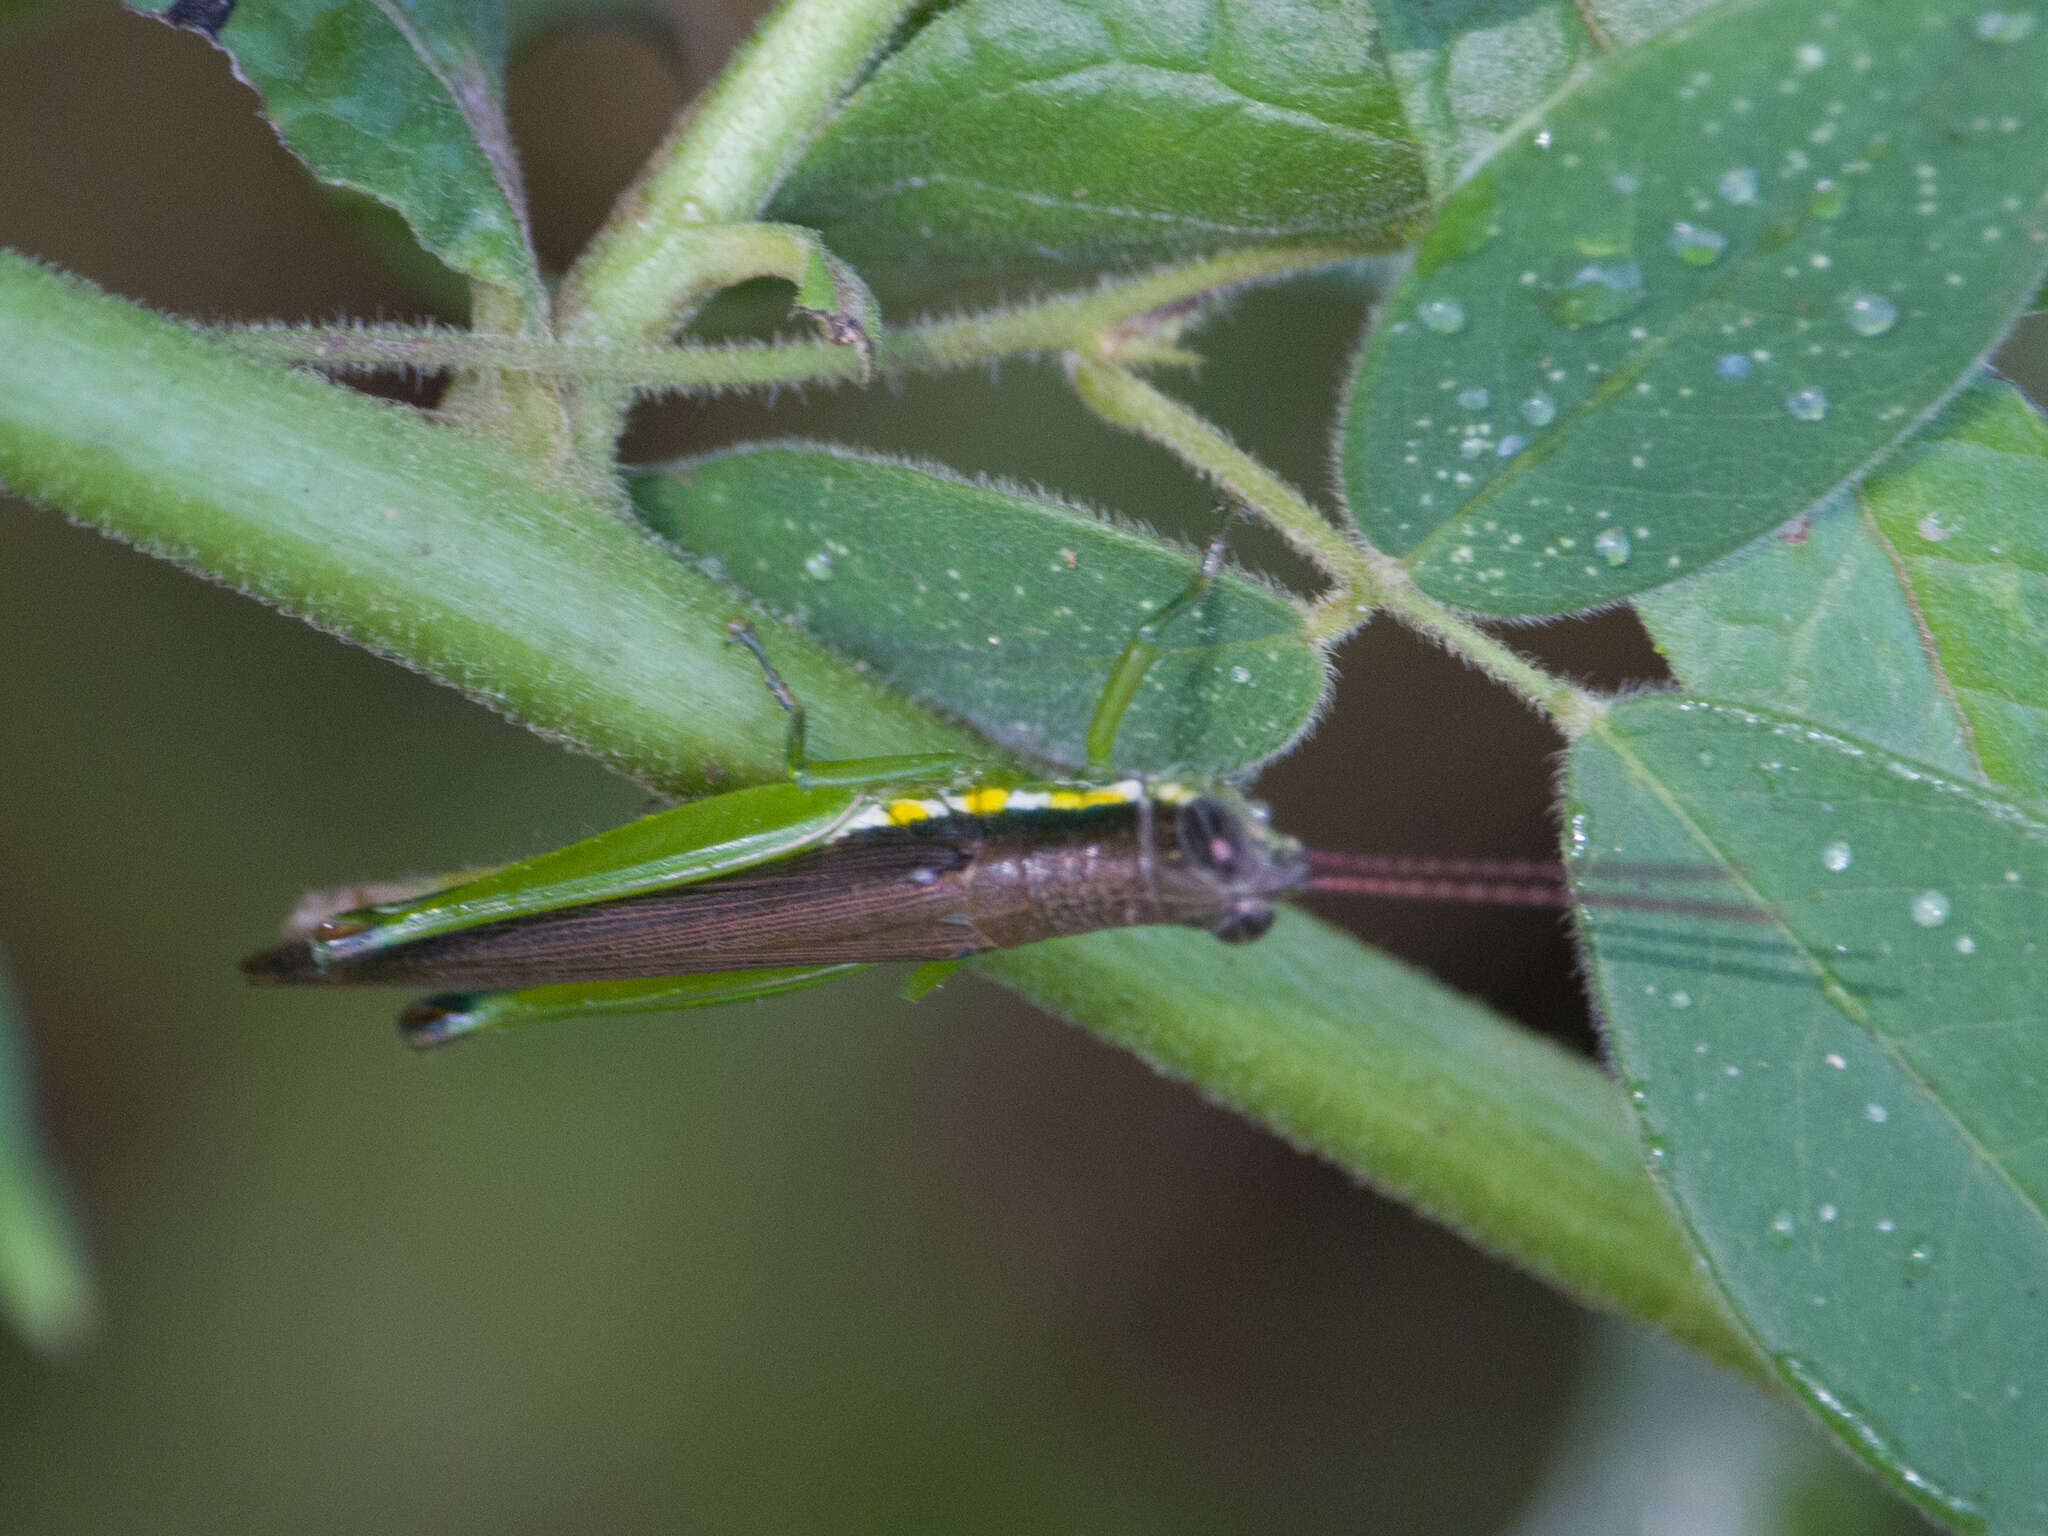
x,y
431,546
720,165
1361,578
1058,324
1571,709
1122,398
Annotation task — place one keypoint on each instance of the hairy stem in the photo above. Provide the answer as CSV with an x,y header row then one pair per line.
x,y
1122,398
431,546
638,278
1178,295
1361,578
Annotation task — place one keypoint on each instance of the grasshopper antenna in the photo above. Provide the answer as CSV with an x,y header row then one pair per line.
x,y
1514,883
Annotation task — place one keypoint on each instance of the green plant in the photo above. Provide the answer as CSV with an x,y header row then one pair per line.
x,y
1679,283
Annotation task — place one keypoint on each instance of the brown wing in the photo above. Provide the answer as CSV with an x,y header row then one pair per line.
x,y
884,895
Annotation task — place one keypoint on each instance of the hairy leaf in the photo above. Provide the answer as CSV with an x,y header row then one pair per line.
x,y
1005,608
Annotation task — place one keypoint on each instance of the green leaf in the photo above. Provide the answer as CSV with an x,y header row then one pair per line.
x,y
45,1283
1388,1074
1706,289
1005,608
402,102
1470,70
1023,136
1913,614
1964,511
1845,1101
1813,624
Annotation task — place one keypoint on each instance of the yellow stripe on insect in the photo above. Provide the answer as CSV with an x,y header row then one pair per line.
x,y
904,812
984,802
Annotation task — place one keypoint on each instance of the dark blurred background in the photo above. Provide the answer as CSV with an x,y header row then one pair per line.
x,y
835,1263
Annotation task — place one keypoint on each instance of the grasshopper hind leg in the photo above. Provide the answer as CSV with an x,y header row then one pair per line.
x,y
446,1016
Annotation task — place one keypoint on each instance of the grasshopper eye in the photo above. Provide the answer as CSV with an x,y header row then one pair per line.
x,y
1211,836
1245,922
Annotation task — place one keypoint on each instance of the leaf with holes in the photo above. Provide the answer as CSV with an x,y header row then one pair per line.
x,y
1006,608
1845,1102
1017,135
402,102
1699,294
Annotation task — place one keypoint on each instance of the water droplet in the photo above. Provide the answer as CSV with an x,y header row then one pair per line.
x,y
1474,399
1807,404
1965,945
1869,314
1240,674
1707,759
1511,445
1444,316
1695,245
1684,1000
1740,186
1920,1259
1539,410
1472,447
2006,26
818,566
1611,545
1830,200
1808,57
1783,1226
1598,293
1876,1113
1930,909
1732,365
1835,857
1828,1213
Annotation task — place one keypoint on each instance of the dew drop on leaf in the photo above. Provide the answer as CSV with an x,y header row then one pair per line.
x,y
1836,857
1732,365
1830,200
1696,245
1611,545
1539,410
1869,314
1475,399
1597,293
1930,909
1740,186
818,566
1782,1227
2006,26
1444,316
1807,404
